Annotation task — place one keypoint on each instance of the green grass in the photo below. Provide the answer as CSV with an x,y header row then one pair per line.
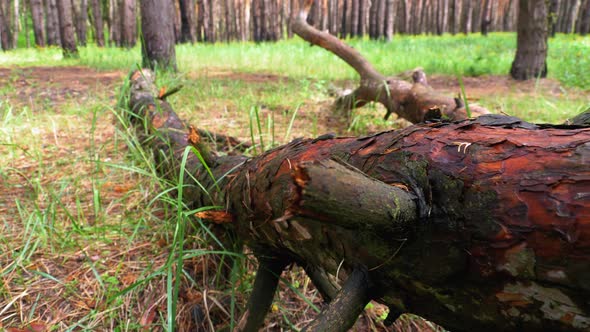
x,y
470,55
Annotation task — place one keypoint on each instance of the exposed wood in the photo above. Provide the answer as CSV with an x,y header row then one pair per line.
x,y
409,101
485,223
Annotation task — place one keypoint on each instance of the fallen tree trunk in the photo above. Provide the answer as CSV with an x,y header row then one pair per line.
x,y
476,225
415,102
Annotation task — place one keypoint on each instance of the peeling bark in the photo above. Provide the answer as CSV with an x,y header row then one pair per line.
x,y
477,225
410,101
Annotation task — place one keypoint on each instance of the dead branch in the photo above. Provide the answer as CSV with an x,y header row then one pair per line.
x,y
479,225
415,102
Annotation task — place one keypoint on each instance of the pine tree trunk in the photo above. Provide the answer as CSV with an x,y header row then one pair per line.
x,y
15,25
585,19
5,26
158,40
81,18
3,30
37,16
97,22
212,17
114,23
390,11
380,32
362,26
52,23
531,53
373,19
457,15
486,17
468,17
66,28
187,18
128,23
571,17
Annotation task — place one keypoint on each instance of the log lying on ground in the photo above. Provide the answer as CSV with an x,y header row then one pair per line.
x,y
476,225
415,102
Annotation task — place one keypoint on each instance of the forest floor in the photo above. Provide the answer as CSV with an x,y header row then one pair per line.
x,y
78,225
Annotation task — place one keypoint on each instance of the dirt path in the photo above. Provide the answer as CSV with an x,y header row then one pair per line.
x,y
55,84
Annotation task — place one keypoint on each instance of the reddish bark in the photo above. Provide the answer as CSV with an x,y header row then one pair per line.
x,y
476,225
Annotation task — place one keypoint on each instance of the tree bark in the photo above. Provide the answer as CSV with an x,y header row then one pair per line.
x,y
478,225
415,102
81,18
97,22
38,24
128,14
390,19
52,23
486,17
585,19
66,29
531,50
4,29
158,39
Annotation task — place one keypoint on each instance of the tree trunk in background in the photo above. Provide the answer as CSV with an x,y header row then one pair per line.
x,y
37,16
114,23
553,12
531,53
211,20
66,28
15,22
188,31
6,33
373,18
571,16
177,20
468,14
97,22
212,17
3,30
158,39
52,23
81,15
390,11
354,18
346,19
457,15
585,19
380,33
256,14
128,14
486,17
362,27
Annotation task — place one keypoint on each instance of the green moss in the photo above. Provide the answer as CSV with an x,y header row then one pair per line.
x,y
478,209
